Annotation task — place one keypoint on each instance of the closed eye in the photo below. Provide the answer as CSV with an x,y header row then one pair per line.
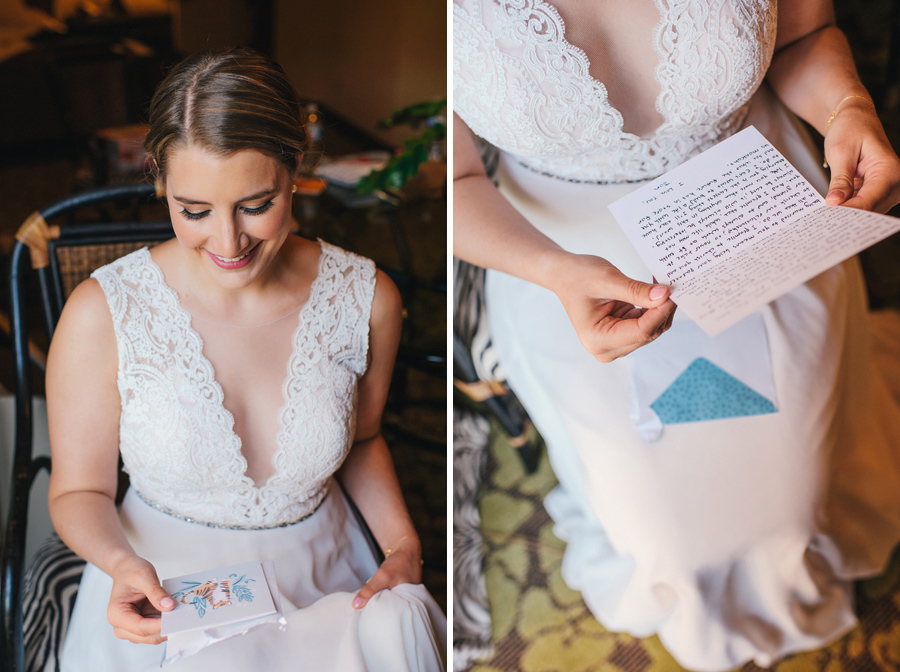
x,y
193,215
260,210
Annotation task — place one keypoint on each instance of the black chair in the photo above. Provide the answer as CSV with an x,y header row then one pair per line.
x,y
61,256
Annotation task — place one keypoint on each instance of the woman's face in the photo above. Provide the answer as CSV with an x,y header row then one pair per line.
x,y
230,213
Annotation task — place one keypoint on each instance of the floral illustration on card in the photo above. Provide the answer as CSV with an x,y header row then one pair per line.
x,y
215,593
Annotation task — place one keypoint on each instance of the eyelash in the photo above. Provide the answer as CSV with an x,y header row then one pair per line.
x,y
260,210
250,211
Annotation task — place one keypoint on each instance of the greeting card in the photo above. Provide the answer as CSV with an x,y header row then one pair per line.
x,y
216,604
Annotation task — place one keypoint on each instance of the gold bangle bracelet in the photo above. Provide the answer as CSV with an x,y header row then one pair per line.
x,y
388,551
844,100
834,114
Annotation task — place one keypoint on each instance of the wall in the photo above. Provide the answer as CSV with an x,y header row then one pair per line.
x,y
364,58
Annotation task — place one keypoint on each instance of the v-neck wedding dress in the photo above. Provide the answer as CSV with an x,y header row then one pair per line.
x,y
191,505
733,538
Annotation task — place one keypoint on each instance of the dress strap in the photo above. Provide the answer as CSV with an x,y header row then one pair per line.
x,y
343,305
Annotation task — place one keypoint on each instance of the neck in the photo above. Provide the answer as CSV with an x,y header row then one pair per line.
x,y
269,296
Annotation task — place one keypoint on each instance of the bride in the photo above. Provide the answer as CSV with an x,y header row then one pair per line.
x,y
237,369
737,537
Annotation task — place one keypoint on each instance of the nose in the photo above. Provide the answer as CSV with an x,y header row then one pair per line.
x,y
230,240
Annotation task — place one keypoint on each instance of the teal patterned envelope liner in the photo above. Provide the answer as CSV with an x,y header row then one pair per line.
x,y
706,392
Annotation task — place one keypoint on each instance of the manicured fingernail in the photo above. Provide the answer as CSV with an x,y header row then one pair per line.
x,y
357,602
658,292
167,602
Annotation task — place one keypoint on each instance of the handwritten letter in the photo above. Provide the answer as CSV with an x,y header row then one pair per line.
x,y
737,226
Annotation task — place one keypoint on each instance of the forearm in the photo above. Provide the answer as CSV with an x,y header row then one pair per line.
x,y
814,74
489,232
370,479
89,524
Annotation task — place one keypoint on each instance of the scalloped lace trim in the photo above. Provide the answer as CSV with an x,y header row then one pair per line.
x,y
520,85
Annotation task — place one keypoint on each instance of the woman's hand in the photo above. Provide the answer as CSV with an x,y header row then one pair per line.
x,y
402,565
600,302
865,171
136,600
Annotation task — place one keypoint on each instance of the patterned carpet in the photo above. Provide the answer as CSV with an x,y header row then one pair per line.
x,y
540,625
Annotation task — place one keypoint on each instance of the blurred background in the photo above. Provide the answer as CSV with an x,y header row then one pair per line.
x,y
76,77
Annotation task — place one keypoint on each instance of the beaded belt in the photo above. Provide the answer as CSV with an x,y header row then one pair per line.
x,y
169,512
575,180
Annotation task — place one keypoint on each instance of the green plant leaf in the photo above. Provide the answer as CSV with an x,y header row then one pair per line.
x,y
404,165
414,115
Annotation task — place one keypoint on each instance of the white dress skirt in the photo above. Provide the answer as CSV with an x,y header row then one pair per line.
x,y
320,563
733,539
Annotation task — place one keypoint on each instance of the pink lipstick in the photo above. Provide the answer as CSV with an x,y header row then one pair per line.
x,y
237,262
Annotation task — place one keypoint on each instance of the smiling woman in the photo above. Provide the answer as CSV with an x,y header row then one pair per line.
x,y
232,214
231,419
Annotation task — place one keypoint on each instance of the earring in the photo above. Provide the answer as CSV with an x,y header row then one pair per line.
x,y
294,189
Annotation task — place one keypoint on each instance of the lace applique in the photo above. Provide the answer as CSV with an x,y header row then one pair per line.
x,y
176,437
520,85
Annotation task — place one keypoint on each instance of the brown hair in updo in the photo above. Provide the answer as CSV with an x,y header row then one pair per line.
x,y
224,102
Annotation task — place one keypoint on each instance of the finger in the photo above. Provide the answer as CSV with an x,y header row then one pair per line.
x,y
665,313
625,311
843,160
670,319
147,582
122,633
123,618
616,338
375,584
839,191
619,287
874,194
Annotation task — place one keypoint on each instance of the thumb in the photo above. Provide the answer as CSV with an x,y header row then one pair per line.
x,y
149,586
362,597
840,189
374,585
620,287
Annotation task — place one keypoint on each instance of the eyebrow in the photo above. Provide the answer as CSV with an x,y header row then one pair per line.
x,y
260,194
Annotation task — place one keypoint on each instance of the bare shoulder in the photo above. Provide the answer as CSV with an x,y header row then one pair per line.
x,y
87,308
85,328
387,305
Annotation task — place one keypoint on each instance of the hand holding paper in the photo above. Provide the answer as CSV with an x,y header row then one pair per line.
x,y
217,604
600,301
737,226
136,600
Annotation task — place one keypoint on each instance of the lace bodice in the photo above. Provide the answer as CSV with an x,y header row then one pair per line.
x,y
520,85
176,437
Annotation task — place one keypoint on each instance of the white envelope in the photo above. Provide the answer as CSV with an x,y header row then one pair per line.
x,y
216,604
742,351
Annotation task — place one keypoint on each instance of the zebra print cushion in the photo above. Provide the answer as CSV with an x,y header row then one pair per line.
x,y
471,615
470,320
51,584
